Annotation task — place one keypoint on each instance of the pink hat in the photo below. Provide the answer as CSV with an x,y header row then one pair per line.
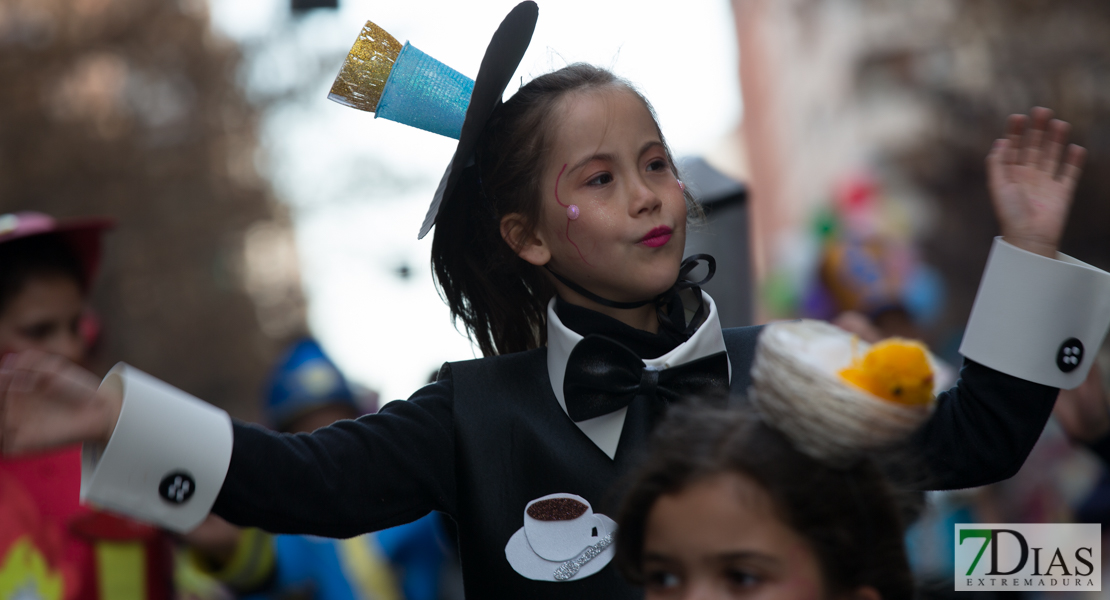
x,y
82,235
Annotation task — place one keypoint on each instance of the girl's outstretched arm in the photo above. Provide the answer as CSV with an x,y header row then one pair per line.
x,y
159,455
1037,321
349,478
1039,315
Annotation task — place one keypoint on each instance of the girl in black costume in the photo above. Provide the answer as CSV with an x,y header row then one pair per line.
x,y
558,244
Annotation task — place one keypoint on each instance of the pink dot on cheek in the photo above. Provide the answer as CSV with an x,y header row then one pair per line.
x,y
572,212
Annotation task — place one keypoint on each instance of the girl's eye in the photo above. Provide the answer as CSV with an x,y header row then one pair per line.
x,y
657,165
39,331
601,179
662,580
742,578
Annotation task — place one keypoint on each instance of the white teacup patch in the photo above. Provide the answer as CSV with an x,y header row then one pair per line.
x,y
561,540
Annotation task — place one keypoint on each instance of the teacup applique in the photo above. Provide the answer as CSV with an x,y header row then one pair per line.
x,y
562,540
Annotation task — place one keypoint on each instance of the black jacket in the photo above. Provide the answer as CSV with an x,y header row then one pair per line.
x,y
489,436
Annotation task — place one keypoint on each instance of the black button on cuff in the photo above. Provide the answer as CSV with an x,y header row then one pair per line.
x,y
177,487
1070,355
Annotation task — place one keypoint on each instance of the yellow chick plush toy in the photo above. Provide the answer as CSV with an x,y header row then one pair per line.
x,y
894,369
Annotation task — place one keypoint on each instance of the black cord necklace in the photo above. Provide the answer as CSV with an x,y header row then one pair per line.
x,y
662,300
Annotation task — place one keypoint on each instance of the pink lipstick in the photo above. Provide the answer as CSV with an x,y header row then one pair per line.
x,y
657,237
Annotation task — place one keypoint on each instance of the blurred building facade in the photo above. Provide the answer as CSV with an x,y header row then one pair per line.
x,y
130,108
914,93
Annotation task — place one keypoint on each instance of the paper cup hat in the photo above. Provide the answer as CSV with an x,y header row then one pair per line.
x,y
797,389
400,83
82,235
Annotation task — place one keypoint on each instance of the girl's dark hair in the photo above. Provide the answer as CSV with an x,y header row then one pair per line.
x,y
35,256
500,298
851,517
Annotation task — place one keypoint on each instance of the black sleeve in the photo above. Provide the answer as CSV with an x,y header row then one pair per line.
x,y
983,428
349,478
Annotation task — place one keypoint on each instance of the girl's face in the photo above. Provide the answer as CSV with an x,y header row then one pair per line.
x,y
721,538
45,315
608,161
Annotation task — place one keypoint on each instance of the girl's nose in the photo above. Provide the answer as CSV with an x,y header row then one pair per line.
x,y
69,345
704,590
644,200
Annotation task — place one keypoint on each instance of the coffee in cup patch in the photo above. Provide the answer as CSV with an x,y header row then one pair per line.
x,y
561,540
556,509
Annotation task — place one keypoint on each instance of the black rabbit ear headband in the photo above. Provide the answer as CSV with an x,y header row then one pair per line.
x,y
400,83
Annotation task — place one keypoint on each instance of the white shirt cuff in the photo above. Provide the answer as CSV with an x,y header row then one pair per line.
x,y
167,458
1039,319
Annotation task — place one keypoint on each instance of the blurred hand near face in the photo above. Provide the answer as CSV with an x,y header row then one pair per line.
x,y
47,402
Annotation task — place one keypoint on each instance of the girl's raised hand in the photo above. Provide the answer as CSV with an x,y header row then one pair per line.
x,y
48,402
1032,179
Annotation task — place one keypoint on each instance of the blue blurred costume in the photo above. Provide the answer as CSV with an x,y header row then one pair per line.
x,y
400,562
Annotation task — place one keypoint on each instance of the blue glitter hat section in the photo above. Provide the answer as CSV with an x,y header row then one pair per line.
x,y
425,93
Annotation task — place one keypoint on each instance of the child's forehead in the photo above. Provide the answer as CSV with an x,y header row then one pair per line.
x,y
611,116
608,102
734,501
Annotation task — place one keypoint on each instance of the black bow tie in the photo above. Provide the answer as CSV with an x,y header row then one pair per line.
x,y
603,375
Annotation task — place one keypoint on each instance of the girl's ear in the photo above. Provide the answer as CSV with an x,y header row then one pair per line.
x,y
524,240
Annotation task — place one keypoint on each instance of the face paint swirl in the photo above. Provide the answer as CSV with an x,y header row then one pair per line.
x,y
572,213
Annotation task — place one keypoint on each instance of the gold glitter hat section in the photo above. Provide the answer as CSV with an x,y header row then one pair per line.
x,y
361,80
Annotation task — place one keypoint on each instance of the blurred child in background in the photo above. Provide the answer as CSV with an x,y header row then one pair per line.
x,y
50,546
726,507
307,392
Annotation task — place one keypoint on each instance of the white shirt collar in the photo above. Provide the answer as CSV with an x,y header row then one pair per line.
x,y
605,431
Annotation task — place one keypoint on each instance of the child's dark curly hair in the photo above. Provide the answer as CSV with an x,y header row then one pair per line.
x,y
851,517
